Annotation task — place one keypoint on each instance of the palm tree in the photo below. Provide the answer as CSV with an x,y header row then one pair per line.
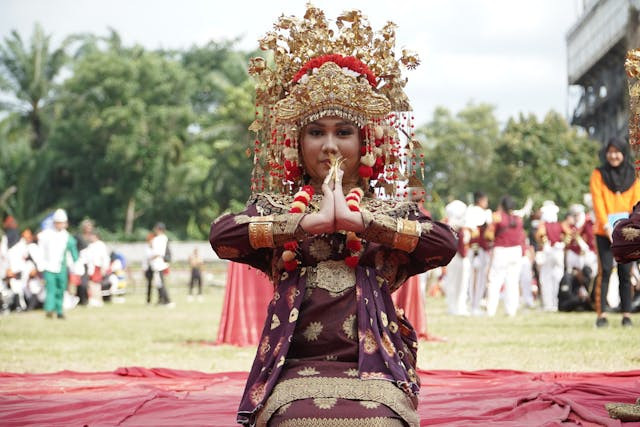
x,y
27,74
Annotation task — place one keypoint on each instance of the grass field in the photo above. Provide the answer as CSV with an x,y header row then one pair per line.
x,y
135,334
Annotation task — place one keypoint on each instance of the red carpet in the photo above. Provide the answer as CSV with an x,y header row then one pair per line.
x,y
165,397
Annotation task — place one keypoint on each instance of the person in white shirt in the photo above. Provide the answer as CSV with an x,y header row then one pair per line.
x,y
56,243
158,261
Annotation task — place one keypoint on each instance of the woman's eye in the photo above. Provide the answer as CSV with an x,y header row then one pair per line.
x,y
315,132
345,132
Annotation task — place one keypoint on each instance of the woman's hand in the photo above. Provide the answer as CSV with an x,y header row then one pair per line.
x,y
322,221
345,219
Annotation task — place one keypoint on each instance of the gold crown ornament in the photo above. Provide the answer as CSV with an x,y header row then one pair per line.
x,y
632,66
345,70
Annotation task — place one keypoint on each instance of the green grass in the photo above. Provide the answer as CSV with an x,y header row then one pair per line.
x,y
134,334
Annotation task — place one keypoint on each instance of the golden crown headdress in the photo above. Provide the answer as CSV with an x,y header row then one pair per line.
x,y
348,71
632,65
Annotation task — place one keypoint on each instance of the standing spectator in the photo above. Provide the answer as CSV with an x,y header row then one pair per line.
x,y
526,274
459,269
146,265
479,216
195,262
13,254
160,262
550,236
82,291
508,235
614,191
96,257
56,243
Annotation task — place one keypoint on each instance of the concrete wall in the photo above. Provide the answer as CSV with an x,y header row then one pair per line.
x,y
134,252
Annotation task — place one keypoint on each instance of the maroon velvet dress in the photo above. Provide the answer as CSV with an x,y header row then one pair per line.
x,y
626,238
333,349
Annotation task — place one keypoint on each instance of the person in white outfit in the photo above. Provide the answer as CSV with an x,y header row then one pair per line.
x,y
96,259
456,281
550,236
56,243
508,236
479,217
158,261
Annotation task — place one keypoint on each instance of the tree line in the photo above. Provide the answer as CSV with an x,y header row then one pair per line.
x,y
128,136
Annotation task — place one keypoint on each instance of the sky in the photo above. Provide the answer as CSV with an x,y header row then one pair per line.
x,y
508,53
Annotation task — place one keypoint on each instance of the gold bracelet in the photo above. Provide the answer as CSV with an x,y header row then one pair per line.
x,y
261,235
407,235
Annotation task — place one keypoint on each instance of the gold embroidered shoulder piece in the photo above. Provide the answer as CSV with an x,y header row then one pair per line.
x,y
393,208
275,203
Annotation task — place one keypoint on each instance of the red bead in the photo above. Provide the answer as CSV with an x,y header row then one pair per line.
x,y
354,245
352,261
291,265
291,246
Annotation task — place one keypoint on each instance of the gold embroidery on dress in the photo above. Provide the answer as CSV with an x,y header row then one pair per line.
x,y
320,249
382,391
630,233
325,402
227,252
313,331
275,322
342,422
308,371
369,404
332,276
350,327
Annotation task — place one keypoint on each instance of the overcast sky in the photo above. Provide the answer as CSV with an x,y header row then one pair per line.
x,y
509,53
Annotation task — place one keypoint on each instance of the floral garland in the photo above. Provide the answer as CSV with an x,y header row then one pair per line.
x,y
299,205
350,62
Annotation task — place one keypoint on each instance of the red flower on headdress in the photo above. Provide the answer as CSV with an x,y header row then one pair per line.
x,y
351,62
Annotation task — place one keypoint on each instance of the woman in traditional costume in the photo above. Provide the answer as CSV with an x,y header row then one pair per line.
x,y
333,349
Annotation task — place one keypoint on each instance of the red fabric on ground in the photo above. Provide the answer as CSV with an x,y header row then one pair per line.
x,y
247,295
165,397
410,299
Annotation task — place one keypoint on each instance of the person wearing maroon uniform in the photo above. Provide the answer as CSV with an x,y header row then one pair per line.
x,y
508,235
626,238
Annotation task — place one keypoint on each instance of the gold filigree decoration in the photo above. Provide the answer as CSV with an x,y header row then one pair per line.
x,y
332,276
330,92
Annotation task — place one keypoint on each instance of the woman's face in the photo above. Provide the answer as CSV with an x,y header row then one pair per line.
x,y
330,137
614,156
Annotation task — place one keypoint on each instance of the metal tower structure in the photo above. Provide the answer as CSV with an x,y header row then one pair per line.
x,y
596,47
